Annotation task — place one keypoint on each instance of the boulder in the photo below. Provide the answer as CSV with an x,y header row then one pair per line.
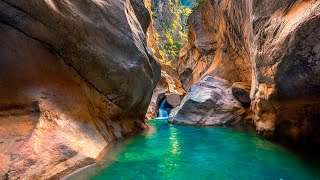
x,y
207,103
173,100
275,49
241,91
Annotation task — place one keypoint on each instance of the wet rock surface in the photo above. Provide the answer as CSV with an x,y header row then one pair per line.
x,y
208,102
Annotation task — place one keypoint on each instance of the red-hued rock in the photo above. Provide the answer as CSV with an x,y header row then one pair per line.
x,y
286,62
168,86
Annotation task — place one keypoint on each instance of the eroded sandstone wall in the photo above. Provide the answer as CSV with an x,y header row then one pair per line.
x,y
74,77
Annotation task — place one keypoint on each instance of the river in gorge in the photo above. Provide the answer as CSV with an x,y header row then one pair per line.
x,y
185,152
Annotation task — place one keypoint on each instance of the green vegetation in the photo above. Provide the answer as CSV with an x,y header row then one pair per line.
x,y
170,23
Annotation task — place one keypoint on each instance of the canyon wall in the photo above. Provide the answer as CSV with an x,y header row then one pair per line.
x,y
286,66
274,45
218,43
74,77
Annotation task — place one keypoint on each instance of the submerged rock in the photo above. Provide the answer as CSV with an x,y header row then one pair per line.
x,y
208,102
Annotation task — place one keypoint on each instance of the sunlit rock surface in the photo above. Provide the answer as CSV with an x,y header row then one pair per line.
x,y
208,102
74,77
169,85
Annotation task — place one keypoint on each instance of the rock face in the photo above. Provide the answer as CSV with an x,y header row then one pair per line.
x,y
286,64
218,43
72,81
208,102
277,44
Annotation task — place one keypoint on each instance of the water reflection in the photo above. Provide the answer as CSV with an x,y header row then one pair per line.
x,y
174,141
184,152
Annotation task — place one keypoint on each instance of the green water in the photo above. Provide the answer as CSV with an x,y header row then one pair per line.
x,y
184,152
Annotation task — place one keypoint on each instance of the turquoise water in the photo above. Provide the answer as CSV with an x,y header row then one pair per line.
x,y
185,152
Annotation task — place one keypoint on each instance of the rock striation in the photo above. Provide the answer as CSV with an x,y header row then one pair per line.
x,y
209,102
74,77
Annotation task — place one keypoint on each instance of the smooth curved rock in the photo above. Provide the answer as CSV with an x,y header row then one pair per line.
x,y
208,102
102,40
75,76
279,41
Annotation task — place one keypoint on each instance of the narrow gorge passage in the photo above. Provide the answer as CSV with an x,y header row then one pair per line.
x,y
159,89
207,84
